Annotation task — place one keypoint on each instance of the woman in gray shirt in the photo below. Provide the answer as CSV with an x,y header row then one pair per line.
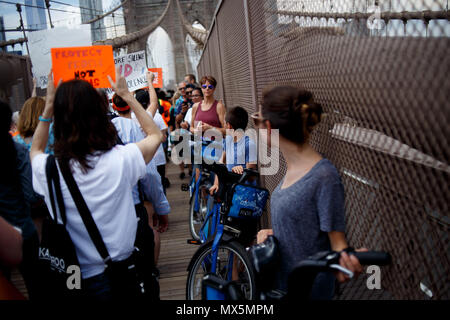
x,y
307,207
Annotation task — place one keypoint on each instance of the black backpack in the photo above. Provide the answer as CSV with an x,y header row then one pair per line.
x,y
56,249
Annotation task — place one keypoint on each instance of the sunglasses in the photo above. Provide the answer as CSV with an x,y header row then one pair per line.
x,y
181,89
196,95
204,86
188,92
257,118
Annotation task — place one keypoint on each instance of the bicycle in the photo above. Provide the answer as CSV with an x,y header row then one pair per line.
x,y
222,253
301,278
198,198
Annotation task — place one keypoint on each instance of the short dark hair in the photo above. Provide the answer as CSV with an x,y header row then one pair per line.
x,y
120,105
190,86
143,98
199,90
237,117
210,79
161,94
190,76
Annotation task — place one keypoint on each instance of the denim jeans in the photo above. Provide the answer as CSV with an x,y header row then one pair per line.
x,y
97,288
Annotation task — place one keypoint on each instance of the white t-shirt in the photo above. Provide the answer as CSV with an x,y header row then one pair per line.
x,y
188,116
159,157
107,191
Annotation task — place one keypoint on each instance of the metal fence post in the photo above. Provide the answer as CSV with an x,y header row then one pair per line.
x,y
251,60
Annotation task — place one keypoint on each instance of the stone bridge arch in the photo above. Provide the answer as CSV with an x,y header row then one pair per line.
x,y
140,14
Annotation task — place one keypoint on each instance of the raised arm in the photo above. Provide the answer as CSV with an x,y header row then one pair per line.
x,y
153,106
150,144
33,93
41,134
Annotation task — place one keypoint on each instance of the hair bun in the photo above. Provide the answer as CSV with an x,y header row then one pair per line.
x,y
313,114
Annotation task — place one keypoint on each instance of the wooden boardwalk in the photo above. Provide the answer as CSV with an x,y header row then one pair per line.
x,y
175,252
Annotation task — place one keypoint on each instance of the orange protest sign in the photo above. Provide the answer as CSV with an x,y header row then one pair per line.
x,y
158,80
92,64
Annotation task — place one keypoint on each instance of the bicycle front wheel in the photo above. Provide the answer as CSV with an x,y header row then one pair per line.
x,y
196,219
232,264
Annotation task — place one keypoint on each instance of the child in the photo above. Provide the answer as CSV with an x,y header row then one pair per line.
x,y
239,150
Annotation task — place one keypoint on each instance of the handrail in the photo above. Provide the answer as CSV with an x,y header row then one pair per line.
x,y
403,15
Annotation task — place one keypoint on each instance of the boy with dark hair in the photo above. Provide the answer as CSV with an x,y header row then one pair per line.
x,y
239,150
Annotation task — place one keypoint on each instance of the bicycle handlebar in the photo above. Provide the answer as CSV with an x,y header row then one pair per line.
x,y
379,258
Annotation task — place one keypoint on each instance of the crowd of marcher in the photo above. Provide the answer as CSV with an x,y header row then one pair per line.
x,y
117,150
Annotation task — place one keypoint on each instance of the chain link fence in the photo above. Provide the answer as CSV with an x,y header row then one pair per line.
x,y
380,70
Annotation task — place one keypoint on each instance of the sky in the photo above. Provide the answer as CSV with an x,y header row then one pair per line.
x,y
68,19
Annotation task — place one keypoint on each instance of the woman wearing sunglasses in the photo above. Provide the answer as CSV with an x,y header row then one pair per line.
x,y
209,113
307,207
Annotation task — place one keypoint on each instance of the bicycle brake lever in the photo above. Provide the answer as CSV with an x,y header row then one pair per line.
x,y
342,269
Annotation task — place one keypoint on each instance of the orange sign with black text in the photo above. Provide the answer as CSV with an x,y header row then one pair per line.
x,y
92,64
158,80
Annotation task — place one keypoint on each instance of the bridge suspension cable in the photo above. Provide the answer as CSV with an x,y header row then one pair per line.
x,y
199,36
128,38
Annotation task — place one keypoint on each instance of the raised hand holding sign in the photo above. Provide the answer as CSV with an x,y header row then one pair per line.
x,y
92,64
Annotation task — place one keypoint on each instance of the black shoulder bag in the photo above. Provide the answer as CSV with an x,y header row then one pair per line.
x,y
131,278
56,249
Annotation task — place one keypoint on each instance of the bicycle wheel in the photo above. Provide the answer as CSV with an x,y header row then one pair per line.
x,y
196,219
232,264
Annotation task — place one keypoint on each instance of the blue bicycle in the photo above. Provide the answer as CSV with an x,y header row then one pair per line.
x,y
199,200
229,225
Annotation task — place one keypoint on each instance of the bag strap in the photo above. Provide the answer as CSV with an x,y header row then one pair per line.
x,y
53,184
140,186
84,211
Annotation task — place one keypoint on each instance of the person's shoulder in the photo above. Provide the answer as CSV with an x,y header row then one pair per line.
x,y
326,171
125,149
125,121
18,139
195,106
20,148
220,105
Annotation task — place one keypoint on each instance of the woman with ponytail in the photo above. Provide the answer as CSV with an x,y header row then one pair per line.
x,y
307,207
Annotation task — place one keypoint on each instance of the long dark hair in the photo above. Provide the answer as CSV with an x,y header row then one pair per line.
x,y
81,125
291,110
9,159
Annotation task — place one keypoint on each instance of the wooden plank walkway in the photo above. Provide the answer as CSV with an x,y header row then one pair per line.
x,y
175,252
